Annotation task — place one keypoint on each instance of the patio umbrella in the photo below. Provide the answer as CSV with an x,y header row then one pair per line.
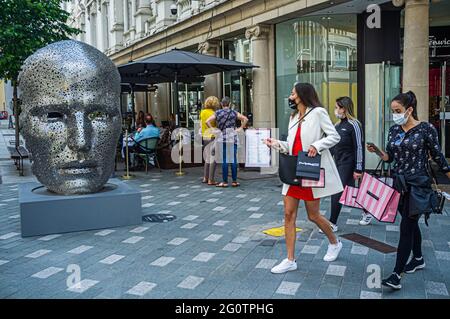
x,y
174,66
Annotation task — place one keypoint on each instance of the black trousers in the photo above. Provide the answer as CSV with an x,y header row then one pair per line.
x,y
410,236
346,175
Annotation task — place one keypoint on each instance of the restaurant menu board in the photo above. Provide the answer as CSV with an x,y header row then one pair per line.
x,y
257,154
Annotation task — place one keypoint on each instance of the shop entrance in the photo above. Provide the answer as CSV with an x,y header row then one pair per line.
x,y
439,92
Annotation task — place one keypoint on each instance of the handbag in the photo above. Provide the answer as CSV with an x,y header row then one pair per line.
x,y
438,197
287,169
378,198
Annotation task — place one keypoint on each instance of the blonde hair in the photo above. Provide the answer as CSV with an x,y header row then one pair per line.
x,y
212,103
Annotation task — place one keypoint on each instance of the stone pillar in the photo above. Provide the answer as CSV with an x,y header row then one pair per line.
x,y
416,52
142,14
116,12
213,83
133,21
259,36
100,27
162,103
163,16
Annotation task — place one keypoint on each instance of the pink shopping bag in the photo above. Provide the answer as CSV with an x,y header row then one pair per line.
x,y
348,197
378,198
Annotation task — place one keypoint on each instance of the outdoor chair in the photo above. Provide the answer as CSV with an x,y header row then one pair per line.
x,y
147,149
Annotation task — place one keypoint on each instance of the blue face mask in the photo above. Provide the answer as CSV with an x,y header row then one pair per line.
x,y
399,118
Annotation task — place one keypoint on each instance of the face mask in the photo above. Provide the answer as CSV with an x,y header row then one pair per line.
x,y
399,118
292,104
338,115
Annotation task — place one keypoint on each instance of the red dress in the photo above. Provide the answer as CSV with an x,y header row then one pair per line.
x,y
303,193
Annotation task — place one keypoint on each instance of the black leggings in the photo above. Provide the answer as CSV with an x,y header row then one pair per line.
x,y
346,175
410,237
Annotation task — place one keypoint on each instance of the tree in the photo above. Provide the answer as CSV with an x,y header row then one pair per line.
x,y
26,26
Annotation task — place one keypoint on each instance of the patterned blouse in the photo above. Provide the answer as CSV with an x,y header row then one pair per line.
x,y
226,122
410,150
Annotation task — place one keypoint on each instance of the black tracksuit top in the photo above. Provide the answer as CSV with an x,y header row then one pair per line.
x,y
350,149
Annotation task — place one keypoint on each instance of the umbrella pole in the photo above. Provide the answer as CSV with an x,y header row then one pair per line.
x,y
175,101
180,138
127,176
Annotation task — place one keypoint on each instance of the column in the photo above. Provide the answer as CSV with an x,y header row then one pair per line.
x,y
99,24
415,52
163,16
213,84
133,20
262,104
116,13
143,13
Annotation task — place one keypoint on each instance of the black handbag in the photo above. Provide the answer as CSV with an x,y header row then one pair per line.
x,y
438,198
287,169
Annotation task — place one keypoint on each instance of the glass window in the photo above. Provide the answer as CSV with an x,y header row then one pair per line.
x,y
238,84
320,50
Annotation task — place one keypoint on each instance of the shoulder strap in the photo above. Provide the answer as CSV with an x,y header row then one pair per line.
x,y
228,116
301,119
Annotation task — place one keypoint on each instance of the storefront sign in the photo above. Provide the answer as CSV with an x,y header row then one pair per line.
x,y
439,41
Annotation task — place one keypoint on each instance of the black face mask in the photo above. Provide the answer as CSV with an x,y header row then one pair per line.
x,y
292,104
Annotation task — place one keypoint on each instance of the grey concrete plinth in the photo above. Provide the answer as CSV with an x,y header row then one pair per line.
x,y
43,212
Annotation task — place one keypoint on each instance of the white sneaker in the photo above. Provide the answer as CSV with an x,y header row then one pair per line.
x,y
334,228
333,251
284,266
365,219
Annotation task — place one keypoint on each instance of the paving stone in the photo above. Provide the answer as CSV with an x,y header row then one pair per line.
x,y
394,228
190,217
111,259
133,239
335,270
253,209
256,216
191,282
177,241
105,232
370,295
189,225
266,263
443,255
310,250
204,257
38,253
139,230
162,261
232,247
288,288
141,288
80,249
359,250
50,271
9,235
83,285
241,239
221,222
2,262
436,288
219,209
213,237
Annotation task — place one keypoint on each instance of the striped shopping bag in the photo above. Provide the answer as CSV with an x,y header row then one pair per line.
x,y
348,197
378,198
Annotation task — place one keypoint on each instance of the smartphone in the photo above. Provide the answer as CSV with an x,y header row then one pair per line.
x,y
377,150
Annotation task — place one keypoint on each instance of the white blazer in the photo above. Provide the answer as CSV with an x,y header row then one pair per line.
x,y
318,131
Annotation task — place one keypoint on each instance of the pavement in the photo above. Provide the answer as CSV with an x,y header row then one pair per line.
x,y
214,248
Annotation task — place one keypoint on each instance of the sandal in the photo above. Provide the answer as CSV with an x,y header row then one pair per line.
x,y
222,184
212,183
235,184
205,180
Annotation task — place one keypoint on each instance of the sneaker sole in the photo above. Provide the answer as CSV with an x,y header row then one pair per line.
x,y
282,272
395,287
415,268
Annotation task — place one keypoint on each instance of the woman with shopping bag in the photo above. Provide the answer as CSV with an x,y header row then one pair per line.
x,y
410,143
310,130
348,154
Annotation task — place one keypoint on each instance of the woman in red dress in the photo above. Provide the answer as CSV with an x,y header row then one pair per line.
x,y
319,135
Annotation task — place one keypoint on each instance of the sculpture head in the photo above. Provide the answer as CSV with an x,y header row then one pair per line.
x,y
70,116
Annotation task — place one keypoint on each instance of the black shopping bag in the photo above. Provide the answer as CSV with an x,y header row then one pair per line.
x,y
308,167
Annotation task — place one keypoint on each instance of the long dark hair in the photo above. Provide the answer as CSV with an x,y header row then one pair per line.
x,y
307,94
407,100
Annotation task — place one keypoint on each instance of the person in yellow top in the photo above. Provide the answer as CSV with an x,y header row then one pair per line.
x,y
210,106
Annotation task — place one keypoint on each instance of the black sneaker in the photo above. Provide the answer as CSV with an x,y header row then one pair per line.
x,y
414,265
393,281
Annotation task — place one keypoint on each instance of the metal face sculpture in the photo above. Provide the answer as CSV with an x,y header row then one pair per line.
x,y
70,116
